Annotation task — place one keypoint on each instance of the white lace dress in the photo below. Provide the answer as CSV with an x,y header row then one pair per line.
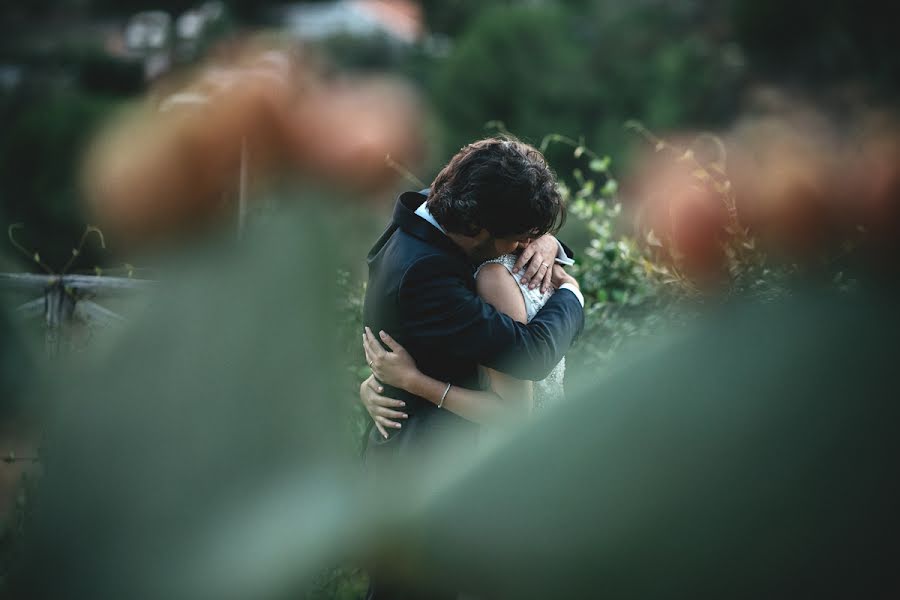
x,y
550,390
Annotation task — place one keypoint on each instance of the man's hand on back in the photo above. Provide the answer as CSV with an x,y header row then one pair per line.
x,y
536,262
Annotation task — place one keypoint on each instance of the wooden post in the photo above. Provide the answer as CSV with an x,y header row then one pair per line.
x,y
63,302
58,308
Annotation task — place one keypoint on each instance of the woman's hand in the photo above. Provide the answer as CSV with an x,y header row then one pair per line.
x,y
396,368
559,277
381,408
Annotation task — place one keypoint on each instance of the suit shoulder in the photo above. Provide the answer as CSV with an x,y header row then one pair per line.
x,y
430,265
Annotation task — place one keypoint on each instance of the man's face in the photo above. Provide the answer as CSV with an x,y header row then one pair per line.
x,y
488,247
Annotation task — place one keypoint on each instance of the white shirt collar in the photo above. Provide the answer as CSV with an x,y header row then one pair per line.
x,y
423,212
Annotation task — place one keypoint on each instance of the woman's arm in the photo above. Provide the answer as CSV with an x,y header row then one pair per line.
x,y
398,369
499,289
484,407
508,397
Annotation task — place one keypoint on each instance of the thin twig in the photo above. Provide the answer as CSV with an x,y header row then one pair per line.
x,y
33,256
403,171
76,252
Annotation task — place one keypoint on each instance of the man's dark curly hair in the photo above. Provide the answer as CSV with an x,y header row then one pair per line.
x,y
502,185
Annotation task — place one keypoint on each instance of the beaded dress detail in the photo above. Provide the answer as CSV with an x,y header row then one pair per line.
x,y
550,390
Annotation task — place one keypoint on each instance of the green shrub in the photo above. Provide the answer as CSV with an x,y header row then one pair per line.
x,y
623,292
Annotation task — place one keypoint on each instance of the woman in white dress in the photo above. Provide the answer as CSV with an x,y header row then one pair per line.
x,y
505,396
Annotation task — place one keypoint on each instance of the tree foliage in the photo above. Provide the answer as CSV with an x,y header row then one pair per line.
x,y
519,65
542,68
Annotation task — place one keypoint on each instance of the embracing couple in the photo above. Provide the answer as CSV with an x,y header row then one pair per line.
x,y
468,312
467,302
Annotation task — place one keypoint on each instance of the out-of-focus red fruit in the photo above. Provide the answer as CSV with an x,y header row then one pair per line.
x,y
788,211
785,181
175,164
800,188
686,215
699,220
874,184
344,131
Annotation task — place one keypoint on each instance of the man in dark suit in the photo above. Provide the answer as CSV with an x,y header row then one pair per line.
x,y
494,197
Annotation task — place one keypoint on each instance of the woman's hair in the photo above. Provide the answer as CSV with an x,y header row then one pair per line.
x,y
502,185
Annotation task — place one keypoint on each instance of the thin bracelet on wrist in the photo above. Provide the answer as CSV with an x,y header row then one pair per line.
x,y
444,396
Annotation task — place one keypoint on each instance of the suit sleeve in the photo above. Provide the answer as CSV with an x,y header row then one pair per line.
x,y
441,311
